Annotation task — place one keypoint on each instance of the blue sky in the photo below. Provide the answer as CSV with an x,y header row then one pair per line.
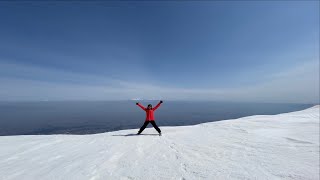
x,y
226,51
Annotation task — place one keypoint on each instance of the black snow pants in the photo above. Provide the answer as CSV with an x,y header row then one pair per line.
x,y
153,124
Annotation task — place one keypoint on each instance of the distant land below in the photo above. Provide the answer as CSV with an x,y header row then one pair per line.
x,y
89,117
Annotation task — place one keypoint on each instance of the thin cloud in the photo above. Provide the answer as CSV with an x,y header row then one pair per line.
x,y
299,84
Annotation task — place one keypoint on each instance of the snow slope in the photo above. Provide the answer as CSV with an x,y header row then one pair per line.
x,y
284,146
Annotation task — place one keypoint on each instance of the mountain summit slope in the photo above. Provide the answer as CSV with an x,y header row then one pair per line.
x,y
255,147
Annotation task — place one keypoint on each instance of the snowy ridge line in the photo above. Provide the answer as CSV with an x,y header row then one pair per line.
x,y
241,118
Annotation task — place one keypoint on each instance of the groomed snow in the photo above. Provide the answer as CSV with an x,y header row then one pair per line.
x,y
284,146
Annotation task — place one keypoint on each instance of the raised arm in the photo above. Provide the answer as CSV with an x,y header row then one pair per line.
x,y
142,107
158,105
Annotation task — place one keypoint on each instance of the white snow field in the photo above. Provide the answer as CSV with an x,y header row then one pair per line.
x,y
284,146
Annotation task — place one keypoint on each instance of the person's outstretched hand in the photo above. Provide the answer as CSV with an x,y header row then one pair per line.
x,y
161,101
137,103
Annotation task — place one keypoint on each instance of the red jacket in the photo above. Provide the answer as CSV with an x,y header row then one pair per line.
x,y
149,112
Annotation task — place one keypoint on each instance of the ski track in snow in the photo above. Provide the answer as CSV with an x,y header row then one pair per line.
x,y
284,146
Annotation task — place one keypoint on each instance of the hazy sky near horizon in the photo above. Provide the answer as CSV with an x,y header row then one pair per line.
x,y
226,51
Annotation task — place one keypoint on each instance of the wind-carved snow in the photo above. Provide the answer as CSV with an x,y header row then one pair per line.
x,y
284,146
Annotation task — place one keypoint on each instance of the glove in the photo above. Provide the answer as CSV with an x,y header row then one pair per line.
x,y
137,103
161,101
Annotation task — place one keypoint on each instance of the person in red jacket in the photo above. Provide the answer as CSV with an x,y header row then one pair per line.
x,y
149,117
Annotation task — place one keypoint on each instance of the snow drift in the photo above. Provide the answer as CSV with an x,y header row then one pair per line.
x,y
284,146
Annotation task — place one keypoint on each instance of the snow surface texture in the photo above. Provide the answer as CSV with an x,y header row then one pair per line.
x,y
284,146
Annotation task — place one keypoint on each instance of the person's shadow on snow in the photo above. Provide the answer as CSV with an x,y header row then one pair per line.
x,y
135,135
